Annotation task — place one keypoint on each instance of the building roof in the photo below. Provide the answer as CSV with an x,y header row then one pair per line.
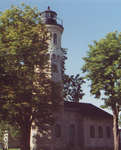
x,y
87,109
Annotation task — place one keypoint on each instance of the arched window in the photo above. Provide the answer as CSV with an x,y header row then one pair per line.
x,y
57,130
48,56
92,131
54,57
100,132
54,68
108,132
55,38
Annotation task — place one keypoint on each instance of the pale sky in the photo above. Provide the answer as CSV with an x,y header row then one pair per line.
x,y
84,21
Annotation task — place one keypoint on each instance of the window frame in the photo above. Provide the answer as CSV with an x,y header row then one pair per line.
x,y
55,38
92,131
100,132
54,68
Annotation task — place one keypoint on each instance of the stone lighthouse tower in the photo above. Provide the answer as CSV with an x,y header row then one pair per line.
x,y
46,139
55,27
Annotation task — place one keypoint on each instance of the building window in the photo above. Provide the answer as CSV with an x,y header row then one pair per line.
x,y
92,131
100,132
57,130
71,134
108,132
55,38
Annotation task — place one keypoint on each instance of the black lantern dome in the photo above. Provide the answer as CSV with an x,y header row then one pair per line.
x,y
50,17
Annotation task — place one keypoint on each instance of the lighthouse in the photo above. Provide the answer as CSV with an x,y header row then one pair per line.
x,y
54,26
48,139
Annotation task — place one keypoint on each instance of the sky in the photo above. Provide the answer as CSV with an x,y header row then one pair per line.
x,y
84,21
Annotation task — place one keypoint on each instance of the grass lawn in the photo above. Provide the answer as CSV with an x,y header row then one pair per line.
x,y
12,149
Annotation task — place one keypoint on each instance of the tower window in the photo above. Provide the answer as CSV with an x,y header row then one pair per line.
x,y
108,132
92,131
100,132
54,57
54,68
55,38
58,58
57,130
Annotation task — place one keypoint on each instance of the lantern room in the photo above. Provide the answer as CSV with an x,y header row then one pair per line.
x,y
50,17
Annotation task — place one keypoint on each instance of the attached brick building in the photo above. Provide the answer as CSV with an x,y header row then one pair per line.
x,y
84,127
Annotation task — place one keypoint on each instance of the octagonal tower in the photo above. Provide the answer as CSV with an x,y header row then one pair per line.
x,y
55,26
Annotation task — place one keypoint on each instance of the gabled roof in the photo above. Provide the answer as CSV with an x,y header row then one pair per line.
x,y
87,109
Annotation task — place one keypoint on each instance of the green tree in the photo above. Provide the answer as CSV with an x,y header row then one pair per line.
x,y
26,91
73,88
103,68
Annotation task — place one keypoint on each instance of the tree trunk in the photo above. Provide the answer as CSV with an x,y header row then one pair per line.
x,y
115,128
25,136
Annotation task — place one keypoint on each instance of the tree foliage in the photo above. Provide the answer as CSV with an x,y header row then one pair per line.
x,y
103,67
26,91
73,88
